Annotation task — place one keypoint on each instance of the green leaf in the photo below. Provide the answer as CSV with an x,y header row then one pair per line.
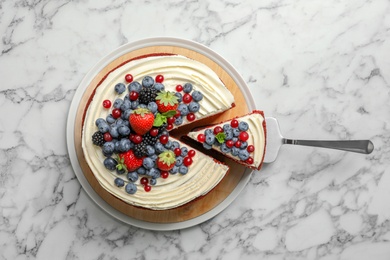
x,y
159,120
220,137
169,113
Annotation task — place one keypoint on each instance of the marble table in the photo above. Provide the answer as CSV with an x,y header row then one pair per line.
x,y
321,67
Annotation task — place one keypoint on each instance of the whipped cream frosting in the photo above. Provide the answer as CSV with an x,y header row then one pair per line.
x,y
204,173
256,137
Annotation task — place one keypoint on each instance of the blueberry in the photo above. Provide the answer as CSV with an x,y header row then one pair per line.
x,y
229,134
152,106
125,145
124,130
147,82
154,158
108,148
117,103
127,97
98,121
150,150
227,127
244,145
210,139
148,163
183,108
132,176
184,151
110,163
125,105
168,145
234,151
183,169
179,161
175,144
174,170
103,127
125,115
234,139
120,88
110,119
159,86
236,132
142,106
154,173
179,96
243,155
134,86
120,171
224,148
134,104
141,170
131,188
243,126
178,121
119,182
208,132
159,147
153,181
114,131
197,96
187,88
119,122
116,146
206,146
193,106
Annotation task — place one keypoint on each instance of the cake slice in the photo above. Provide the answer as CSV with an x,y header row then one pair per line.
x,y
241,139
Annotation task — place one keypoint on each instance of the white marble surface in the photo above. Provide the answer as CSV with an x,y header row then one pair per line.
x,y
321,67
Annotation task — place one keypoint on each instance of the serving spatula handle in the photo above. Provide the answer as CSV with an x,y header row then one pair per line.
x,y
357,146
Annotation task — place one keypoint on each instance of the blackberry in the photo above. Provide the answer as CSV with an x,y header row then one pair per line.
x,y
149,140
140,150
97,138
147,95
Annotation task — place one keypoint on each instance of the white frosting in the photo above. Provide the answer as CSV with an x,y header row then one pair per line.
x,y
256,137
204,174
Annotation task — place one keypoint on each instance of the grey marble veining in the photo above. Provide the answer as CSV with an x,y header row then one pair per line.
x,y
321,68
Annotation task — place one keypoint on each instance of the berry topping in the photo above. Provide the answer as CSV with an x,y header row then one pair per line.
x,y
131,188
133,95
249,160
250,148
141,120
164,174
144,181
116,113
106,103
191,153
129,78
201,138
169,126
229,143
110,163
234,123
153,132
107,137
147,95
237,144
243,136
187,98
147,188
177,151
137,139
120,88
191,117
166,160
159,78
179,88
140,150
163,139
130,161
166,101
98,138
217,130
187,161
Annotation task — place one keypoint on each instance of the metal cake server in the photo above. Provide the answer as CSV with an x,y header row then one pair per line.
x,y
275,140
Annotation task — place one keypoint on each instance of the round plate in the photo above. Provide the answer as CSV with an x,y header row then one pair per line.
x,y
205,207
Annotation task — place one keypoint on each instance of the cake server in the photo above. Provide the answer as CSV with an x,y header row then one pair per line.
x,y
275,140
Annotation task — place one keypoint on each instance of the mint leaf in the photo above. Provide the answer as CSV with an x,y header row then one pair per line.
x,y
159,120
220,137
169,113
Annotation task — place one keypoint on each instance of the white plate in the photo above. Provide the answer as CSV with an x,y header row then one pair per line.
x,y
71,124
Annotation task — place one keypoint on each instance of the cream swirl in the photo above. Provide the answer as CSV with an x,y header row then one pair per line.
x,y
204,174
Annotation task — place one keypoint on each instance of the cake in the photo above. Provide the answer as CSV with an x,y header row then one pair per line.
x,y
241,139
126,125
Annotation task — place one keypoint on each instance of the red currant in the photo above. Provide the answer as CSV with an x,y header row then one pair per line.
x,y
177,114
159,78
249,160
144,181
217,130
187,98
250,148
116,113
234,123
153,132
191,117
201,138
164,139
229,143
147,188
170,120
179,88
164,174
169,126
133,95
129,78
191,153
131,137
238,144
187,161
107,137
137,139
243,136
106,103
177,151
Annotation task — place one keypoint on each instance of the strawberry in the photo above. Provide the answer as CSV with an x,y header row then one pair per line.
x,y
141,120
129,161
166,160
166,101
